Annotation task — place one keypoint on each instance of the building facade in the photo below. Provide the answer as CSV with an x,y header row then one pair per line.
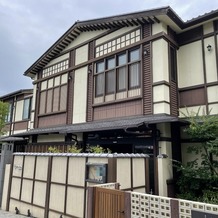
x,y
17,120
122,82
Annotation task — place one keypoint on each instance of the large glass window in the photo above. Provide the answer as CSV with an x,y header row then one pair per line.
x,y
26,108
53,95
8,117
118,73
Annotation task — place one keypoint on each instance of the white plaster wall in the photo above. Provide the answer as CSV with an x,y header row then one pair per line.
x,y
19,111
75,199
165,129
186,157
138,172
165,167
192,110
59,169
160,64
59,59
160,108
212,94
158,28
114,35
39,193
81,54
213,108
190,65
76,174
80,95
208,28
210,60
26,195
161,93
84,37
124,176
28,167
41,163
51,138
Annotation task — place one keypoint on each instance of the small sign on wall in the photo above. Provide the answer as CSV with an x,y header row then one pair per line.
x,y
96,173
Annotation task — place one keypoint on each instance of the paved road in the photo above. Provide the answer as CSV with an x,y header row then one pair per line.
x,y
6,214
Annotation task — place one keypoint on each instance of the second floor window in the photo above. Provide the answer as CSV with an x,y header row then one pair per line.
x,y
118,73
26,108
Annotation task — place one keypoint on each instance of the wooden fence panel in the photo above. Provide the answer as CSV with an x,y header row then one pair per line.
x,y
109,203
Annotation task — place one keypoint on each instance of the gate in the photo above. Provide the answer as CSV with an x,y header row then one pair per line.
x,y
109,203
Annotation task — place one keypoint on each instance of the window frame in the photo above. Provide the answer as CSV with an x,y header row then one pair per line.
x,y
26,109
125,65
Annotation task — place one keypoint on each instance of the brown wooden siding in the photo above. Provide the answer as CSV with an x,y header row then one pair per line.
x,y
173,99
20,125
192,97
190,36
124,109
147,82
70,98
90,91
146,30
52,120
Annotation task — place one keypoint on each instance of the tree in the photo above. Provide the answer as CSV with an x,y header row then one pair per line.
x,y
199,177
4,109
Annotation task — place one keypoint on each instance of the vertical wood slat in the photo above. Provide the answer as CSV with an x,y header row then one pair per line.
x,y
147,82
109,203
173,99
90,83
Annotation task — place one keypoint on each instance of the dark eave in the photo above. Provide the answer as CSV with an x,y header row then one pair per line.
x,y
107,23
16,93
122,123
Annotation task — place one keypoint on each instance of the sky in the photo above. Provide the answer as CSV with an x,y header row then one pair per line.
x,y
29,27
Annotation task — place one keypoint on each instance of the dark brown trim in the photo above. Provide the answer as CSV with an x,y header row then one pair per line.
x,y
66,186
112,170
205,76
21,178
90,205
131,174
34,178
127,204
147,175
174,208
48,186
9,185
163,82
70,97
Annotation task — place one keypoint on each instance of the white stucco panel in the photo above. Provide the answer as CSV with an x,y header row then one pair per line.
x,y
212,94
213,108
161,93
81,54
208,28
84,37
192,110
59,59
158,28
160,64
190,65
162,107
210,60
113,35
80,95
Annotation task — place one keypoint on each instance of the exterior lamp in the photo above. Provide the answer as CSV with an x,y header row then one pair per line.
x,y
209,47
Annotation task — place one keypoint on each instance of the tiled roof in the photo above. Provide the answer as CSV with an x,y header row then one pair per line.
x,y
99,155
102,125
10,139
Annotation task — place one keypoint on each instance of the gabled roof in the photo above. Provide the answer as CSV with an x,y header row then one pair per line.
x,y
16,93
113,22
